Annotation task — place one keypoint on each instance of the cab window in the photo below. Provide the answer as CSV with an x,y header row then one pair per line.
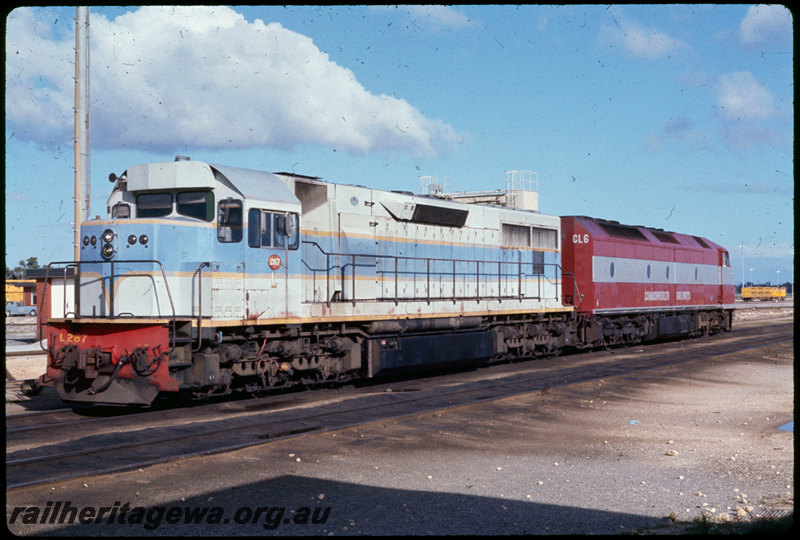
x,y
272,229
229,220
286,230
121,211
196,204
153,205
259,231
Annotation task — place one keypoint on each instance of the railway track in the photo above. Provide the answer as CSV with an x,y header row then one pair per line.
x,y
56,445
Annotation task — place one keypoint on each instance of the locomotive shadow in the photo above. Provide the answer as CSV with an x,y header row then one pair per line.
x,y
169,402
297,505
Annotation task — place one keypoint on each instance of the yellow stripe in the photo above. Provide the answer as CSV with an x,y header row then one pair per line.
x,y
435,276
410,240
210,323
370,318
324,234
151,221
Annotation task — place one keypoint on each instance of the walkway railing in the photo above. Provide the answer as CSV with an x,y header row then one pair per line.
x,y
439,278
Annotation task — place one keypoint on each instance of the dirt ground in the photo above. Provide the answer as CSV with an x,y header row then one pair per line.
x,y
748,312
653,453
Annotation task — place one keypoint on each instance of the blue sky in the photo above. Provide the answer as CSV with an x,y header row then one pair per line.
x,y
672,116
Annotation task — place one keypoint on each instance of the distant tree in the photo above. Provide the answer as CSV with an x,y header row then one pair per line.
x,y
18,272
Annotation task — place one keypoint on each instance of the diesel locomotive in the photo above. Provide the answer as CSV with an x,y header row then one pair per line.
x,y
206,279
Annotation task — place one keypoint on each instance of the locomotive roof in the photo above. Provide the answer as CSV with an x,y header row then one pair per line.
x,y
258,184
640,233
252,184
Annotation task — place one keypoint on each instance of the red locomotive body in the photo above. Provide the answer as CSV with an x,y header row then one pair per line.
x,y
129,357
633,282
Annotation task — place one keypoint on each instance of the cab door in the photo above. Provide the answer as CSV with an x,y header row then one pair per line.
x,y
272,240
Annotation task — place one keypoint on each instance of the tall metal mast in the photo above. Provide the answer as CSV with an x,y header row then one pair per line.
x,y
81,141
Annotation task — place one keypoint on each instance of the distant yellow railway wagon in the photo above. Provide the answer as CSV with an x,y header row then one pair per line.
x,y
763,293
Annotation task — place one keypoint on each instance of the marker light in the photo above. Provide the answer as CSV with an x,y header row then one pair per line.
x,y
132,239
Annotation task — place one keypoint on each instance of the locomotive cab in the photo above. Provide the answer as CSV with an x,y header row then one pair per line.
x,y
165,217
171,258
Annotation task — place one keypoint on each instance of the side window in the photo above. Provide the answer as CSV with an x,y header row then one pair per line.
x,y
272,229
121,211
293,231
279,238
259,227
229,220
265,228
286,230
153,205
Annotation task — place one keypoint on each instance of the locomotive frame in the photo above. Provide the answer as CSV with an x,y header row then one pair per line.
x,y
208,279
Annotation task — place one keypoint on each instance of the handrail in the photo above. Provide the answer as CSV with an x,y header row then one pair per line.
x,y
457,267
199,273
76,284
577,294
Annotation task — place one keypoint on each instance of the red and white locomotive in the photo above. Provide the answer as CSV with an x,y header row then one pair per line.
x,y
205,279
633,283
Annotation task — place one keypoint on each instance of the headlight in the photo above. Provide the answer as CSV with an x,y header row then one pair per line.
x,y
108,251
108,236
132,239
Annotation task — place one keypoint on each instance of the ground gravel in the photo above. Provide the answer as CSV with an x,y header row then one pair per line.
x,y
650,453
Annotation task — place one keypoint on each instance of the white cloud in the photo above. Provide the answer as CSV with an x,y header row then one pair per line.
x,y
741,96
641,42
747,113
440,16
164,77
431,17
766,24
680,129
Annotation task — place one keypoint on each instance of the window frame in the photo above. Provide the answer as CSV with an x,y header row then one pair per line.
x,y
153,195
207,204
116,211
271,224
225,223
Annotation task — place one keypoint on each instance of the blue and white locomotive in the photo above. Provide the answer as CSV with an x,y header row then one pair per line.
x,y
206,279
